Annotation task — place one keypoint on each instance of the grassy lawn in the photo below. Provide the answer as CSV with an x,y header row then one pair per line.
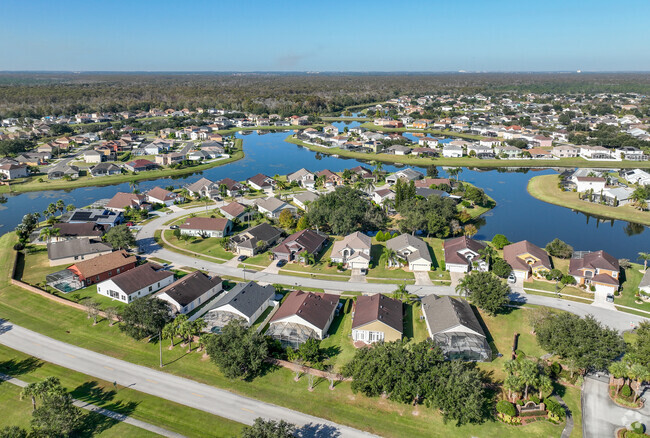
x,y
544,188
630,285
550,286
338,345
154,410
414,327
377,415
379,269
32,184
209,246
34,265
320,267
262,259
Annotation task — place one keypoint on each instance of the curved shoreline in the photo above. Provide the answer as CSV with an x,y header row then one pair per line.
x,y
544,188
467,161
89,181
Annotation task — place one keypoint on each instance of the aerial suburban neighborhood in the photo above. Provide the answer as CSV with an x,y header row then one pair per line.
x,y
215,227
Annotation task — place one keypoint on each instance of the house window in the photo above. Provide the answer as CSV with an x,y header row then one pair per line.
x,y
97,278
150,288
76,257
118,270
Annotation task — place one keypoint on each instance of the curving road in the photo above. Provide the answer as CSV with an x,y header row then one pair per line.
x,y
613,318
177,389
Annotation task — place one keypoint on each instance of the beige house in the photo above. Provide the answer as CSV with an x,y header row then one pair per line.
x,y
376,318
353,251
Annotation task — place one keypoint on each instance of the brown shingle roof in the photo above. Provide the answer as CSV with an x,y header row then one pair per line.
x,y
234,209
315,308
140,277
188,288
369,308
103,263
453,246
512,251
123,200
305,240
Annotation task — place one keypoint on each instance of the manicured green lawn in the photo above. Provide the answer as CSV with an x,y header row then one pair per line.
x,y
320,267
378,265
262,259
338,345
544,188
630,285
550,286
154,410
34,265
209,246
414,327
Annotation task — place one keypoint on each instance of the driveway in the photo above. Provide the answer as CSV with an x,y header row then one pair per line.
x,y
357,277
455,278
422,278
168,386
601,416
272,268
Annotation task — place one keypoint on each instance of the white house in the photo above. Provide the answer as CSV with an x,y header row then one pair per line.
x,y
585,183
353,251
246,301
135,283
159,195
272,207
189,292
303,177
451,151
413,250
206,226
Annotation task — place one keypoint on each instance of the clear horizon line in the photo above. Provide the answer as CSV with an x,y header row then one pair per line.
x,y
314,72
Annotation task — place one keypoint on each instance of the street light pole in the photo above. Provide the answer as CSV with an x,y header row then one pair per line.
x,y
159,336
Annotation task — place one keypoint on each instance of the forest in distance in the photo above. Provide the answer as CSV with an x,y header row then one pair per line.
x,y
34,94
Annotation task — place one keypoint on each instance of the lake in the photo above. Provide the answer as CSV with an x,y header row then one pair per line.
x,y
517,215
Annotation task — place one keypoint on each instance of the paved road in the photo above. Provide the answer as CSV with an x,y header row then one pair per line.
x,y
601,416
618,320
105,412
177,389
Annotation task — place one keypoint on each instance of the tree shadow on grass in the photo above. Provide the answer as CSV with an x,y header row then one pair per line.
x,y
16,368
95,423
312,430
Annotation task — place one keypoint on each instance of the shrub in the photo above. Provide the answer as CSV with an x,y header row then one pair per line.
x,y
499,241
556,369
520,402
637,427
592,288
380,236
555,408
346,308
534,399
19,246
506,408
626,391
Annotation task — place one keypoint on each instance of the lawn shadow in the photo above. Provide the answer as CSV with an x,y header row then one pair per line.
x,y
488,335
16,368
91,392
95,423
312,430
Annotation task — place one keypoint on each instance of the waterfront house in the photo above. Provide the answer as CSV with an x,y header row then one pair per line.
x,y
121,200
597,269
526,259
70,251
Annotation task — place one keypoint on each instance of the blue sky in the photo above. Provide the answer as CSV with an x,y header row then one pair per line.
x,y
240,35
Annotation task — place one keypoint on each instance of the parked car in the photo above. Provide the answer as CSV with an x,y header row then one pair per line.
x,y
241,258
610,298
281,263
174,227
512,278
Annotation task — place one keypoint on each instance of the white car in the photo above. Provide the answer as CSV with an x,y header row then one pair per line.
x,y
512,278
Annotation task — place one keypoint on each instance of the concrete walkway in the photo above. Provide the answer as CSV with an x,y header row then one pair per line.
x,y
105,412
568,427
160,384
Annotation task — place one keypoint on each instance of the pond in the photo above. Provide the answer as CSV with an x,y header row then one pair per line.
x,y
517,215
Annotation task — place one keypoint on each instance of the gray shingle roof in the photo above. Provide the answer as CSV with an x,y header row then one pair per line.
x,y
246,297
76,247
444,313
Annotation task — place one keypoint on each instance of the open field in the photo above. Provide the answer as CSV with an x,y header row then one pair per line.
x,y
32,184
544,188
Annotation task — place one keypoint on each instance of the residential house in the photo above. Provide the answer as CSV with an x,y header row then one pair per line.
x,y
63,170
206,227
121,200
82,230
272,207
376,318
245,301
169,159
452,151
565,151
136,283
158,195
238,211
597,269
542,141
303,177
99,216
140,165
105,169
407,175
255,239
433,182
70,251
232,187
293,246
190,291
353,251
397,149
380,196
453,325
428,142
102,267
201,187
506,151
413,250
303,316
462,254
93,156
12,171
644,285
262,182
331,179
586,183
630,153
540,154
304,199
526,259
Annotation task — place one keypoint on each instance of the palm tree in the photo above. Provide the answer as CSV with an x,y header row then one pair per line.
x,y
388,254
169,331
513,384
544,385
645,256
60,205
39,389
470,230
638,373
378,168
184,193
618,370
529,373
30,391
488,253
49,233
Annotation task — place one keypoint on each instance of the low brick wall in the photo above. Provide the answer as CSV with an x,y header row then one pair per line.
x,y
314,372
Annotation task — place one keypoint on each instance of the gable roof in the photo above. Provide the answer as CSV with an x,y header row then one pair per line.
x,y
305,240
315,308
260,180
272,204
103,263
452,247
404,240
444,313
161,194
187,289
140,277
369,308
247,298
234,209
199,185
75,247
205,223
123,200
79,229
356,240
512,251
230,184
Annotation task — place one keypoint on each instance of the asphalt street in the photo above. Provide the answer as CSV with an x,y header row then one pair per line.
x,y
157,383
